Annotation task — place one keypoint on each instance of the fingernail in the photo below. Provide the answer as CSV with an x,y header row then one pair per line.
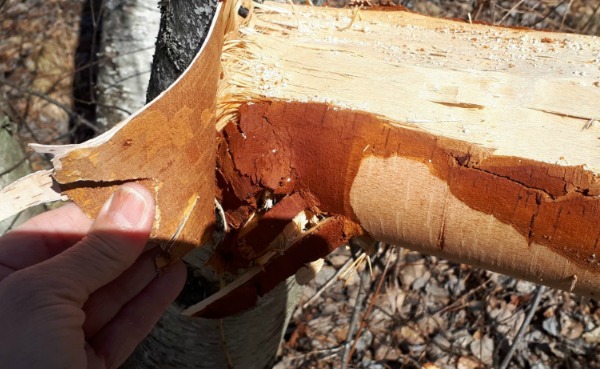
x,y
127,208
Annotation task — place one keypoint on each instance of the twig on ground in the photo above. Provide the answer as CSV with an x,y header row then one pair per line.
x,y
353,267
536,301
324,352
562,22
462,298
510,11
360,298
590,20
363,323
550,12
328,284
397,266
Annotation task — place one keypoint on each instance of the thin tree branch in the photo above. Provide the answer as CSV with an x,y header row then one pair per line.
x,y
360,298
536,301
42,96
363,323
13,167
329,283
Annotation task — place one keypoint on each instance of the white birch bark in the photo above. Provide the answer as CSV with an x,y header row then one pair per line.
x,y
127,46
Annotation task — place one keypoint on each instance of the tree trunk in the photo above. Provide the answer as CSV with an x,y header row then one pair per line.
x,y
127,45
474,143
248,340
13,165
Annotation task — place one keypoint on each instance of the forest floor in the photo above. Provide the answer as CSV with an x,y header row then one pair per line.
x,y
410,310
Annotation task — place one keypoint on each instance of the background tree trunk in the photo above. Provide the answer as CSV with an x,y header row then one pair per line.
x,y
127,46
13,165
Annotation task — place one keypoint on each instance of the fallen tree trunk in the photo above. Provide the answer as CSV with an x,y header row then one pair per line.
x,y
470,142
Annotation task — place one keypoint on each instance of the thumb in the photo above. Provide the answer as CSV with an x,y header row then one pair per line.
x,y
116,239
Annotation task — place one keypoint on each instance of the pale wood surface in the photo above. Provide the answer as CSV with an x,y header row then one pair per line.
x,y
523,93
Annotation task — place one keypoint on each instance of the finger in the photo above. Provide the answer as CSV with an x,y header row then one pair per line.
x,y
116,341
115,241
105,303
42,237
94,361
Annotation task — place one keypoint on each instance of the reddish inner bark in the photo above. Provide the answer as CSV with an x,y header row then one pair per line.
x,y
311,148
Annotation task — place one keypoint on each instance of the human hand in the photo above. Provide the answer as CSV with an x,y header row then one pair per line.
x,y
77,294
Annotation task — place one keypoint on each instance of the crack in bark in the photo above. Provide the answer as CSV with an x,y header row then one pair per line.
x,y
465,162
538,202
562,115
459,105
441,236
96,183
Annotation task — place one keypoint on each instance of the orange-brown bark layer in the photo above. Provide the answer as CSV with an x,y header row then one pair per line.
x,y
334,232
268,227
246,243
320,149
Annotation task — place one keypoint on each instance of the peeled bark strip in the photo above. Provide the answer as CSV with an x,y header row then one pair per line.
x,y
169,137
13,166
168,146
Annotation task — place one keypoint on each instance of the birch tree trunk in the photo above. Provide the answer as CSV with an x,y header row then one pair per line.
x,y
13,166
127,46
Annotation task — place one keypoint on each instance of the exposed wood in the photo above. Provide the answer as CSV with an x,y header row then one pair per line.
x,y
523,93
